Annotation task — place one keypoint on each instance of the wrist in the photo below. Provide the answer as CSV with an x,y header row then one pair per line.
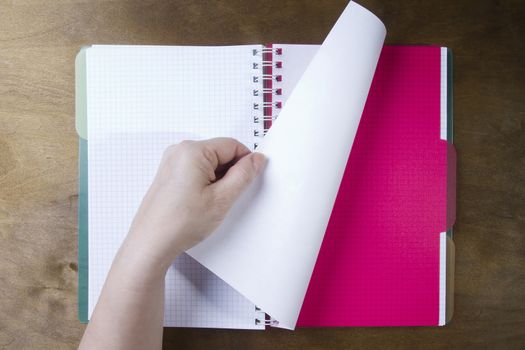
x,y
142,260
147,246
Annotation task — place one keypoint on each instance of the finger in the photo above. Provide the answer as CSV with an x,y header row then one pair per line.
x,y
223,150
239,177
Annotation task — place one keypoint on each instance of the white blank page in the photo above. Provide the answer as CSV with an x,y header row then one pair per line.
x,y
141,99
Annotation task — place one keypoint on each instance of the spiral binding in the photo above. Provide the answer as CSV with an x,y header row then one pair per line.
x,y
262,318
269,78
266,49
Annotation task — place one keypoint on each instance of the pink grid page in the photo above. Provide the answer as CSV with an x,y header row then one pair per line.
x,y
379,261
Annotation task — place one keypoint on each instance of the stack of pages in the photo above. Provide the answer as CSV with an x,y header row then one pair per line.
x,y
351,222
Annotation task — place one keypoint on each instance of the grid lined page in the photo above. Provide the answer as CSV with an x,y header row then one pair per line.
x,y
141,99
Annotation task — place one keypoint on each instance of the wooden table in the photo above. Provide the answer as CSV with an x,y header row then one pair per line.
x,y
38,157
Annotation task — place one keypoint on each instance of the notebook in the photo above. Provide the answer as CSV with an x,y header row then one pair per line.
x,y
351,222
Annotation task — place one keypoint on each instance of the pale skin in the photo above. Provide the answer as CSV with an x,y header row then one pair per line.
x,y
196,184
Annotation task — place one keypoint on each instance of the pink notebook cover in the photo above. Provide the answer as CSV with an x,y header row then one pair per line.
x,y
379,264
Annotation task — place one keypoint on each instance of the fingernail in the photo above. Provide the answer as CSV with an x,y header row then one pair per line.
x,y
258,161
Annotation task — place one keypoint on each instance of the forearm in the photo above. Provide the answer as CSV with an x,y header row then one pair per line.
x,y
129,312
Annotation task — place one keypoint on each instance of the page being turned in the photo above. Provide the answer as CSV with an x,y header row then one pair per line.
x,y
267,246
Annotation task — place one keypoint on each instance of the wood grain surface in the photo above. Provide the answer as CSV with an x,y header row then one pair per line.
x,y
38,157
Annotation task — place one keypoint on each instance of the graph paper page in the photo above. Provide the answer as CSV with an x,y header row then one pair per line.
x,y
141,99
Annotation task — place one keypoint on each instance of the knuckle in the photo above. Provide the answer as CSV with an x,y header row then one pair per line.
x,y
170,153
185,144
185,147
209,154
170,150
176,150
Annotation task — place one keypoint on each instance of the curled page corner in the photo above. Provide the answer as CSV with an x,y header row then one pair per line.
x,y
267,246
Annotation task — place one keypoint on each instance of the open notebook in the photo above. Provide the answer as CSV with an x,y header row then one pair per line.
x,y
386,258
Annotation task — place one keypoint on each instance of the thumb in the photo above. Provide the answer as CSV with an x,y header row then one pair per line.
x,y
239,177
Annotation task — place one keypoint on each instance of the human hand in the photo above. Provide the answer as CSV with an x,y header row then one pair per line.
x,y
196,184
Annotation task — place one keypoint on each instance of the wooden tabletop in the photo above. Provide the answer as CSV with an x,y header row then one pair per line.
x,y
38,157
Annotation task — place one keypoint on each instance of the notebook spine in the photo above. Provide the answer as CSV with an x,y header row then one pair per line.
x,y
270,77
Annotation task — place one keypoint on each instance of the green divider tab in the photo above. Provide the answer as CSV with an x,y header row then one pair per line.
x,y
81,127
83,271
